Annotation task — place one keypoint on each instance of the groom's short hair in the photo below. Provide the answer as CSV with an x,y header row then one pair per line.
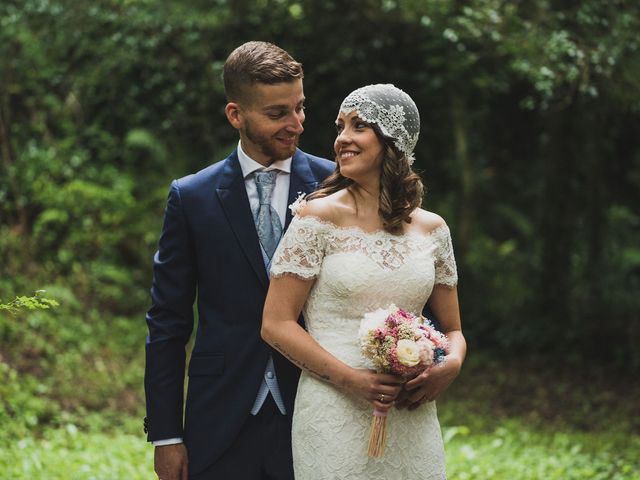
x,y
257,62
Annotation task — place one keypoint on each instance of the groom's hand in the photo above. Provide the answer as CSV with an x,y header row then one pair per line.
x,y
170,462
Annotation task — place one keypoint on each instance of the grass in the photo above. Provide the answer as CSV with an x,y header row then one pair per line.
x,y
513,451
530,420
71,407
69,454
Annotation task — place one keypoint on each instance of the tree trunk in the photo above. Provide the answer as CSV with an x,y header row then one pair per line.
x,y
460,138
595,220
557,218
20,221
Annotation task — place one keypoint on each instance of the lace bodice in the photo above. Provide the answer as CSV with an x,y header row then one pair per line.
x,y
357,272
309,239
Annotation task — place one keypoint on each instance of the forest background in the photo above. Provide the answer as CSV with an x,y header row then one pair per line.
x,y
529,149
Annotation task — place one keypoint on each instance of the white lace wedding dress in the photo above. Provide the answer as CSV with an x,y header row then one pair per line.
x,y
357,272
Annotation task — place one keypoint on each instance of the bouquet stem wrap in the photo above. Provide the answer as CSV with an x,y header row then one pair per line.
x,y
378,436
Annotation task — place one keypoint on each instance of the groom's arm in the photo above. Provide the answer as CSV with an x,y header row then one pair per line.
x,y
429,315
170,322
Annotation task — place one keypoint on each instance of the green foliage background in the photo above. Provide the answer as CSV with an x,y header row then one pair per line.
x,y
530,114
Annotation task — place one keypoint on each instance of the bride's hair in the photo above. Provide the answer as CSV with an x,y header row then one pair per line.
x,y
401,189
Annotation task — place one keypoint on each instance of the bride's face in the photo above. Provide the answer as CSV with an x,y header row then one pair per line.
x,y
358,149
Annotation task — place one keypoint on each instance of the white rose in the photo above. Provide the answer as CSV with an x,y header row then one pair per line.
x,y
408,353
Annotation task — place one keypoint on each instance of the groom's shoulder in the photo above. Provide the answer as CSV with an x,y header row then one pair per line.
x,y
207,177
319,166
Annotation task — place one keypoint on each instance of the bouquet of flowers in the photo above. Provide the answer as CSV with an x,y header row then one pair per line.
x,y
401,343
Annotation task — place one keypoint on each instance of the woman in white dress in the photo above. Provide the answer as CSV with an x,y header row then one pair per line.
x,y
360,243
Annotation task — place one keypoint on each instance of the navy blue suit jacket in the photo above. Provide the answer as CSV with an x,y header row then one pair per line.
x,y
209,251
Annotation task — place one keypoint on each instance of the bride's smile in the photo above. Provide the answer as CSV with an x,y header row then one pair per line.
x,y
358,149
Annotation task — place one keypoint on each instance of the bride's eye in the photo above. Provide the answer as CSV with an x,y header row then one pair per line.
x,y
339,127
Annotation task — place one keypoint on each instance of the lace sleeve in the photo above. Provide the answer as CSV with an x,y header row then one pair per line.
x,y
445,262
301,250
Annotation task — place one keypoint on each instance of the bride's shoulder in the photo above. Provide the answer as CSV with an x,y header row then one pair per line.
x,y
327,209
426,222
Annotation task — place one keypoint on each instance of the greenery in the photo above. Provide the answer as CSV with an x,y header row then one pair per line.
x,y
502,422
34,302
515,452
511,452
536,419
70,454
530,112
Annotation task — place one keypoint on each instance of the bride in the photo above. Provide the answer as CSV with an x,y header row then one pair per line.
x,y
360,243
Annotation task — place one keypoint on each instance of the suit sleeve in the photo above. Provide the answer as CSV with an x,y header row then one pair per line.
x,y
170,322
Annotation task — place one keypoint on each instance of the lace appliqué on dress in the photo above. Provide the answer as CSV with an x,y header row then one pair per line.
x,y
309,239
445,261
301,250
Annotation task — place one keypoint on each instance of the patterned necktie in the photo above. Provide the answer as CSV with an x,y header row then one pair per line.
x,y
267,220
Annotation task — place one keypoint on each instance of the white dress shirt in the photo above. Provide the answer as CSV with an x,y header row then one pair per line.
x,y
281,191
278,202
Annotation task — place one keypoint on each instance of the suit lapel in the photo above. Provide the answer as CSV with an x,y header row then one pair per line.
x,y
235,203
302,181
232,194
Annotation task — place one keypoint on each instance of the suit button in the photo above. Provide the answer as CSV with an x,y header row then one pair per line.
x,y
269,375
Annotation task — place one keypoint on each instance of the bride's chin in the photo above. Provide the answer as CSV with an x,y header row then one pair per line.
x,y
347,172
356,177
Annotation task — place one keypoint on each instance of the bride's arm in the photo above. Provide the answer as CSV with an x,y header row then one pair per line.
x,y
444,303
285,299
430,384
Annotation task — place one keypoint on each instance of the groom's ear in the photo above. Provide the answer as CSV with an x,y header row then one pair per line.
x,y
234,116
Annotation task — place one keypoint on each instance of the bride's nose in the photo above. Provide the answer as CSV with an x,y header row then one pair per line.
x,y
340,143
343,137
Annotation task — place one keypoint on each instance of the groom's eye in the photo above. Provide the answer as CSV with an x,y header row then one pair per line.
x,y
276,115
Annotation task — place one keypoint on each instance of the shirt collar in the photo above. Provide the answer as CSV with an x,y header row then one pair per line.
x,y
249,165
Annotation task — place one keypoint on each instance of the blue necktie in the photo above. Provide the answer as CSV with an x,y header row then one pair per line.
x,y
269,230
267,220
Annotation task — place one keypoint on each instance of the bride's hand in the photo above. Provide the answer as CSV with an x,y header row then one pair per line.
x,y
429,385
379,389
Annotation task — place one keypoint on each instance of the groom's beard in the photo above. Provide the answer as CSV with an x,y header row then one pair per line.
x,y
271,146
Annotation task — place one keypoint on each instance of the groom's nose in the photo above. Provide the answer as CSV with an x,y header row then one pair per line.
x,y
295,123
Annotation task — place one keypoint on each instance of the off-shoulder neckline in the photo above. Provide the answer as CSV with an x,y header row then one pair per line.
x,y
373,233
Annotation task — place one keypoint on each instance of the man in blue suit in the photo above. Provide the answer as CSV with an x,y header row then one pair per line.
x,y
220,230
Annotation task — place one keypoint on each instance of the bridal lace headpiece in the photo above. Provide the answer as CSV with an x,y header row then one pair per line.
x,y
391,109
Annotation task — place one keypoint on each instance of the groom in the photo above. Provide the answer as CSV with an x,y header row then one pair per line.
x,y
221,227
